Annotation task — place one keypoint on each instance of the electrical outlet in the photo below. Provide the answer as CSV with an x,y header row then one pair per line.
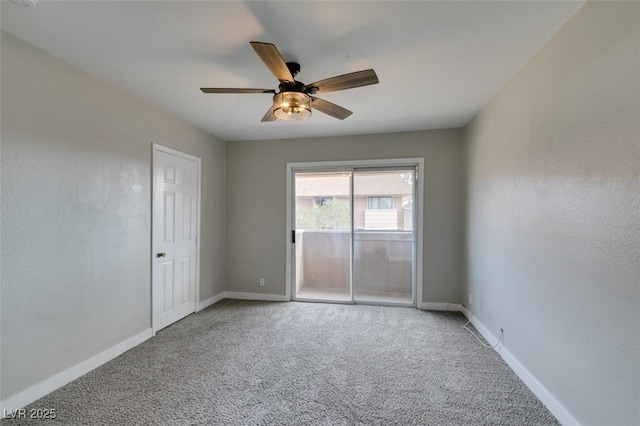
x,y
261,282
470,298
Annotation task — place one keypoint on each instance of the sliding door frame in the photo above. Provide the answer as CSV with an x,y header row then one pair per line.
x,y
352,165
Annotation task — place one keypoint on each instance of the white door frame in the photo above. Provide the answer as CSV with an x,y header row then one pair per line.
x,y
160,148
417,162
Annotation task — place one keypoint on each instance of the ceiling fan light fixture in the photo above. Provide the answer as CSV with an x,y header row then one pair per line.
x,y
292,106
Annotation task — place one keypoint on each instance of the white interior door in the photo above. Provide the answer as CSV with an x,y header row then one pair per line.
x,y
174,257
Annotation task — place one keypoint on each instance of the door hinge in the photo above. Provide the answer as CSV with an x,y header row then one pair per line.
x,y
293,237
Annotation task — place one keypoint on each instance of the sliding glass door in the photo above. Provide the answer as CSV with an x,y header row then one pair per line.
x,y
323,235
353,237
383,240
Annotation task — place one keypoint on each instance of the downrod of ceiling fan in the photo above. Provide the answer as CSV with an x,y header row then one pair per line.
x,y
294,68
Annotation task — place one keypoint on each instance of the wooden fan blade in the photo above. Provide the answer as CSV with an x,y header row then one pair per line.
x,y
269,115
230,90
273,60
336,111
345,81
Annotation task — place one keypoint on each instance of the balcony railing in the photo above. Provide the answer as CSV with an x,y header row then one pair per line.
x,y
382,260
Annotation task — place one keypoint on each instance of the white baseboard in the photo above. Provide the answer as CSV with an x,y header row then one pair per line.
x,y
555,407
255,296
210,301
454,307
489,336
239,295
47,386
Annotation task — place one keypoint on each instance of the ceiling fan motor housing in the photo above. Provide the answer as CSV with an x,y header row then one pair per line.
x,y
296,86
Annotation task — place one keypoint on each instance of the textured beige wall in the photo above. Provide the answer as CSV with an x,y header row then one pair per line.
x,y
554,214
76,157
256,177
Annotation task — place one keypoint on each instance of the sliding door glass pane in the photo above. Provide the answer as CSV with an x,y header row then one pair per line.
x,y
323,236
383,235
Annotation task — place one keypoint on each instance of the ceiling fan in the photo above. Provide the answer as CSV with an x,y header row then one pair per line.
x,y
294,100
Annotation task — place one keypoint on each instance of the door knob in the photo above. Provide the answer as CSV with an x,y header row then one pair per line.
x,y
161,254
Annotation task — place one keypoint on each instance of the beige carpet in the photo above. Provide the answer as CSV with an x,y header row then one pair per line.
x,y
262,363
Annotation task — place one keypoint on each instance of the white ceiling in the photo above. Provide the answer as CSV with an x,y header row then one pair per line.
x,y
438,62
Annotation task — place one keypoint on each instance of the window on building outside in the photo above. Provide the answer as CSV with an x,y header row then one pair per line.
x,y
376,203
320,200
